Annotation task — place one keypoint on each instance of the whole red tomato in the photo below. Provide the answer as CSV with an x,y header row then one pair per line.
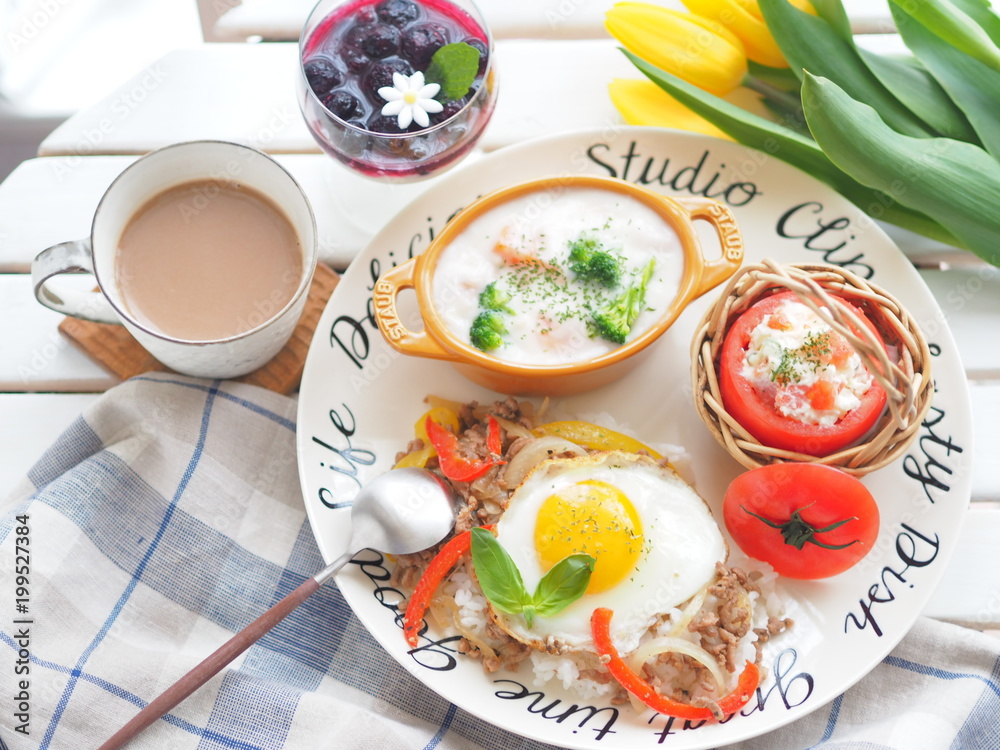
x,y
806,520
760,418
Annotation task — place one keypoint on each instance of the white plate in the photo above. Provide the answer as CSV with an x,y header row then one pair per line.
x,y
359,400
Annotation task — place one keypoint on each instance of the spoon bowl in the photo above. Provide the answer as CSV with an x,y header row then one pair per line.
x,y
399,512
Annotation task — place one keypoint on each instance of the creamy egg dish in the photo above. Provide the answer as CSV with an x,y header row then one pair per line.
x,y
581,555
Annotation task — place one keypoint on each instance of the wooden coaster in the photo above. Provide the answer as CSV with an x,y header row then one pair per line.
x,y
114,347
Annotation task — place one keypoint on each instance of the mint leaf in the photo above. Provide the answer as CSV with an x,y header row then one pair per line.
x,y
454,66
498,576
563,584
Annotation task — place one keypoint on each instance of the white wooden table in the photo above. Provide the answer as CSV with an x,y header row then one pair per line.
x,y
243,92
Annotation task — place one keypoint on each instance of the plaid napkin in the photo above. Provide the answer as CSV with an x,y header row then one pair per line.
x,y
168,516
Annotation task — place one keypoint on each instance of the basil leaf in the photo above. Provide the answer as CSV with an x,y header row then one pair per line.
x,y
498,576
454,66
563,584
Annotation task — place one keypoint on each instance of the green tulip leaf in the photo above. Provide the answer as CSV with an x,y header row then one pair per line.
x,y
982,13
810,43
799,151
973,86
954,183
832,11
952,26
919,90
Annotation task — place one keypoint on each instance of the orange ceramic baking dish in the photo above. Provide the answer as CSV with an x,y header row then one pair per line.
x,y
436,341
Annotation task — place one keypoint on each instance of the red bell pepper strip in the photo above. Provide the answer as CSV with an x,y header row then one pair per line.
x,y
457,467
446,559
600,626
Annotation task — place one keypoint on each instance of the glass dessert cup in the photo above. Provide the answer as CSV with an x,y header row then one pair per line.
x,y
349,49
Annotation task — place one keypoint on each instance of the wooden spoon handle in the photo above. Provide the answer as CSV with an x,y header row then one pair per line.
x,y
212,665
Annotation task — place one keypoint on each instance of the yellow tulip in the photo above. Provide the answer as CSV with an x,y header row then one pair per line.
x,y
743,18
698,50
752,7
645,103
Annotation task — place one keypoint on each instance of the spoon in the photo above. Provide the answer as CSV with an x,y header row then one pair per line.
x,y
399,512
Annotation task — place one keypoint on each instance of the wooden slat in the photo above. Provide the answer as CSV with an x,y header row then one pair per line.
x,y
246,93
282,20
969,592
986,443
36,357
42,204
29,424
970,302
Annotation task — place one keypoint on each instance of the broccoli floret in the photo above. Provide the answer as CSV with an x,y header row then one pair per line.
x,y
494,298
588,261
614,321
487,331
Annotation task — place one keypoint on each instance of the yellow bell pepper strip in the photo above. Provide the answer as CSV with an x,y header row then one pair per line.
x,y
600,626
446,559
594,437
698,50
645,103
459,468
419,457
747,26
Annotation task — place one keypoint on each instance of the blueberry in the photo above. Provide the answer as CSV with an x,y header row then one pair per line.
x,y
365,16
380,75
384,124
397,12
342,104
354,59
480,45
380,41
451,109
421,42
323,74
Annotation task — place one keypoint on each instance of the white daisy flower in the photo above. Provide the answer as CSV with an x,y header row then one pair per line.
x,y
410,99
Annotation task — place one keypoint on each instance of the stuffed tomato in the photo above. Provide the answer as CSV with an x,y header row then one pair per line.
x,y
793,382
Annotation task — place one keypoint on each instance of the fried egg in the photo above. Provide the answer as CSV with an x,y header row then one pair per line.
x,y
653,538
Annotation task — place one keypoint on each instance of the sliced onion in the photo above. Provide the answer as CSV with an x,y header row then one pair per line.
x,y
668,644
534,453
444,607
687,614
513,429
438,401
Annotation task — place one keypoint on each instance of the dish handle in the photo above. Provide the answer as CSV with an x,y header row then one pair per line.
x,y
401,338
714,272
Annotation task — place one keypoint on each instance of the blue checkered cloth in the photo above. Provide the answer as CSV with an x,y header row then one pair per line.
x,y
169,516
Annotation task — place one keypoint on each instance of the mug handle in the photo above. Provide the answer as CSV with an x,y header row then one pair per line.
x,y
714,272
69,257
387,288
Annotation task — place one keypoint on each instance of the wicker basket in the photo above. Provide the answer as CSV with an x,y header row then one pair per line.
x,y
907,381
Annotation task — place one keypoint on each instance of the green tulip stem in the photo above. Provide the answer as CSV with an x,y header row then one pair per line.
x,y
785,99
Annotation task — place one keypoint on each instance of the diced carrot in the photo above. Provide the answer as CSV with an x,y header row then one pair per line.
x,y
822,395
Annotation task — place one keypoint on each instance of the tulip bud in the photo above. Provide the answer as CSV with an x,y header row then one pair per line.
x,y
642,102
698,50
743,18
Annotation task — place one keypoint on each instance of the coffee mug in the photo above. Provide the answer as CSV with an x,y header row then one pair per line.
x,y
180,187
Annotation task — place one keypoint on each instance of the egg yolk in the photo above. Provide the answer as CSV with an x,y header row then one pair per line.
x,y
595,518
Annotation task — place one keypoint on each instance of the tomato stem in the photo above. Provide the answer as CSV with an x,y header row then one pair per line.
x,y
796,531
